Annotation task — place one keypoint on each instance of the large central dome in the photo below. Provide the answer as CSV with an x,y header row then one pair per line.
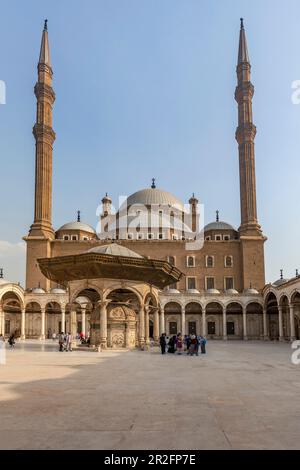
x,y
151,196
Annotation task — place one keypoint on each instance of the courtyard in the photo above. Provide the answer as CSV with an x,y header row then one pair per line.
x,y
241,395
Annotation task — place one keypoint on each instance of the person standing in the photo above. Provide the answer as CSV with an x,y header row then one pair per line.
x,y
163,343
179,344
193,343
203,344
69,342
11,341
61,340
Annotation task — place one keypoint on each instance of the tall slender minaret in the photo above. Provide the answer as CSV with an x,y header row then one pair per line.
x,y
44,137
245,135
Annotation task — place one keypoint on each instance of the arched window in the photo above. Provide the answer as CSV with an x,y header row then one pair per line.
x,y
171,260
190,261
228,261
210,261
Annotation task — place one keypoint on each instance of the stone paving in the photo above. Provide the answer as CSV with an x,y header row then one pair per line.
x,y
241,395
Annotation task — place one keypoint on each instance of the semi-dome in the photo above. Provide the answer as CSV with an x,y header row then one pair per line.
x,y
212,291
251,291
231,292
279,282
172,291
114,249
57,290
218,226
77,226
38,290
151,196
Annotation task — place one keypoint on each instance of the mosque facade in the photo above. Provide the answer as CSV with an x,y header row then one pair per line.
x,y
218,286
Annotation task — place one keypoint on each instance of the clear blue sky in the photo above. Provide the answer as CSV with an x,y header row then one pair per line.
x,y
146,88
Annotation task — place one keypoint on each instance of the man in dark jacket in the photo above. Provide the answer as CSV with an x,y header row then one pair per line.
x,y
163,343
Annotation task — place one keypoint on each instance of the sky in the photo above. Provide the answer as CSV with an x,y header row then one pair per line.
x,y
145,88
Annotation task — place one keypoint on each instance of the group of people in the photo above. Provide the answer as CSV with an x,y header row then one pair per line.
x,y
11,340
179,344
65,340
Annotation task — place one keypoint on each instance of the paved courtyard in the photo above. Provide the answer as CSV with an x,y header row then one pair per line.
x,y
241,395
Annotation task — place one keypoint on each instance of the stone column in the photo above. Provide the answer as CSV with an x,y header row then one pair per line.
x,y
23,323
280,322
292,323
245,335
1,321
142,327
156,326
83,329
183,321
162,320
127,335
265,322
73,327
63,319
204,321
224,324
43,313
103,324
147,339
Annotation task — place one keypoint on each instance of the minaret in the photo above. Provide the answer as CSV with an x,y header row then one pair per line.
x,y
245,135
44,137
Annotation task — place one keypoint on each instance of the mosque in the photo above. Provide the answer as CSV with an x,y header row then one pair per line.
x,y
149,267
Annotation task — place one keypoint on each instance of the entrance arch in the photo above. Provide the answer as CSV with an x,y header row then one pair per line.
x,y
271,306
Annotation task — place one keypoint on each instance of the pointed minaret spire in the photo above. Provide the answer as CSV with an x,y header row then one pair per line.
x,y
245,135
44,137
45,49
243,49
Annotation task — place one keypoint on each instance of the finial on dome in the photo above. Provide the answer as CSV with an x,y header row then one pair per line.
x,y
153,185
217,216
78,216
281,274
1,273
297,273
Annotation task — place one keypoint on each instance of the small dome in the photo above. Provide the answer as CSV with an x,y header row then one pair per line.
x,y
77,226
151,196
106,199
57,290
192,291
4,281
38,290
172,291
279,282
218,226
251,291
212,291
231,292
114,249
